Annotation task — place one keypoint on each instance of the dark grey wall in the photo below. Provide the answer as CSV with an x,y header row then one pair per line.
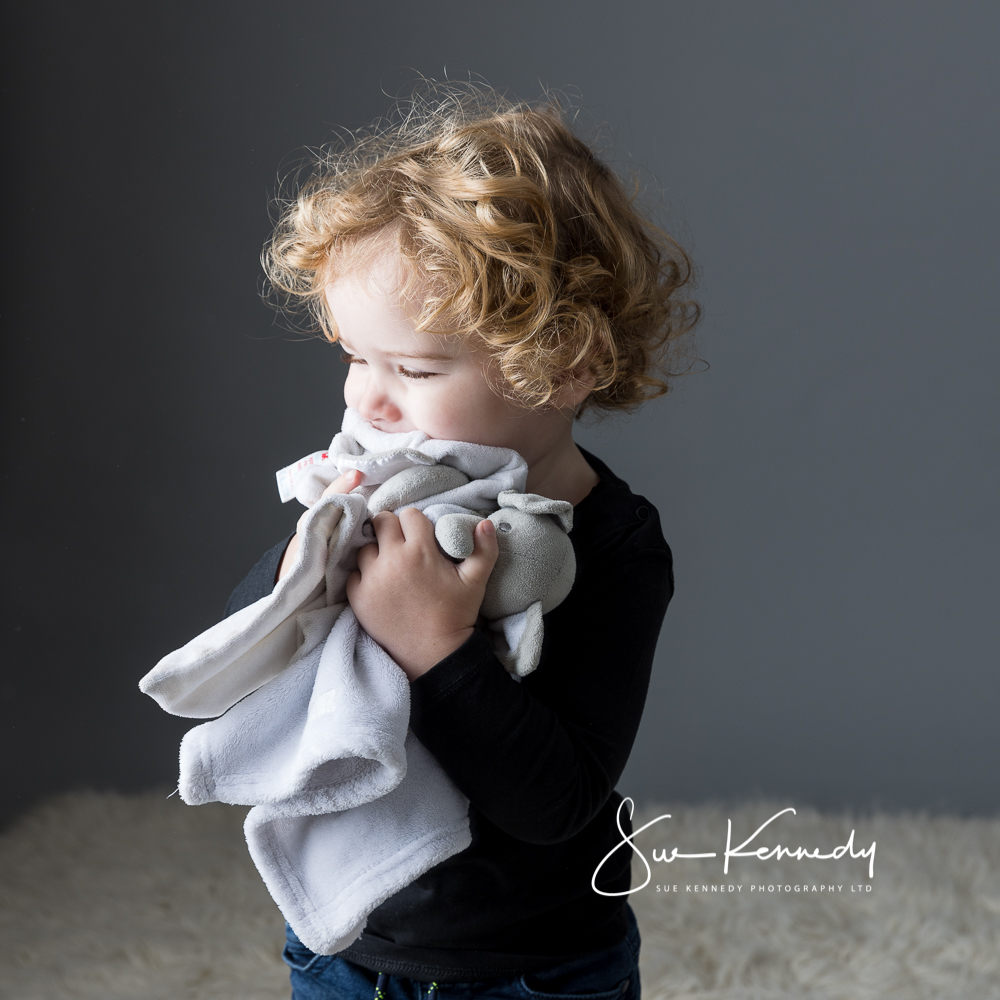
x,y
829,486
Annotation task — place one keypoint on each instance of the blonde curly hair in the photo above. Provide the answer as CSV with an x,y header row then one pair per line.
x,y
519,236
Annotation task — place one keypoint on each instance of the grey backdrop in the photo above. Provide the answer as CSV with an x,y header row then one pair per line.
x,y
828,486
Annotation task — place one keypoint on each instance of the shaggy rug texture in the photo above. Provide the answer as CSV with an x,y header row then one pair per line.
x,y
108,896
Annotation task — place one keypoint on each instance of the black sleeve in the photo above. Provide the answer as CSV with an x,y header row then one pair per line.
x,y
259,582
540,758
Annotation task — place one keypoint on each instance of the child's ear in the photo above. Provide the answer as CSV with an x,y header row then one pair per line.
x,y
578,386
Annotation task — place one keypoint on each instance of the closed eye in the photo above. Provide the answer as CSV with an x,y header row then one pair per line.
x,y
353,359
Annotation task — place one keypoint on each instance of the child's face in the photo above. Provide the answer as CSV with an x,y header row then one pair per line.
x,y
403,379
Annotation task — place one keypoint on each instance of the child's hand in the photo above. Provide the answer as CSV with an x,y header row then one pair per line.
x,y
342,484
413,601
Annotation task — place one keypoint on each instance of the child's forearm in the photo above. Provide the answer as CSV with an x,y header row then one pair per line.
x,y
539,759
288,559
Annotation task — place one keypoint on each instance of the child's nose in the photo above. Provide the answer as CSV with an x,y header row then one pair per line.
x,y
376,404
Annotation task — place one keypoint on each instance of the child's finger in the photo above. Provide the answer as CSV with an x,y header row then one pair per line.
x,y
344,483
476,568
415,525
366,555
387,529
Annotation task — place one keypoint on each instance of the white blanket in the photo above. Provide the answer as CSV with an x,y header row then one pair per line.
x,y
348,807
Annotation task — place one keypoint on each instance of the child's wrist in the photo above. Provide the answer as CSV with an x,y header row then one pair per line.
x,y
419,661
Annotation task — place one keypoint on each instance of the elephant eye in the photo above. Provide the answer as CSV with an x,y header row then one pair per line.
x,y
503,526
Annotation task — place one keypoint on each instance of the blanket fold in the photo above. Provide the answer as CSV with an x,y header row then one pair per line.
x,y
309,715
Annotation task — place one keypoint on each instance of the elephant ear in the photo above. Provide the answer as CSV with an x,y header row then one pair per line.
x,y
454,533
517,640
532,503
415,483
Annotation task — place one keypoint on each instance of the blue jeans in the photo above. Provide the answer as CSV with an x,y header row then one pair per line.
x,y
609,974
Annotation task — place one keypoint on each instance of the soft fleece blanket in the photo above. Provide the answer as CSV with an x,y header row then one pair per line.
x,y
348,807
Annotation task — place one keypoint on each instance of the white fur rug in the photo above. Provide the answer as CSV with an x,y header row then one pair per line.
x,y
144,898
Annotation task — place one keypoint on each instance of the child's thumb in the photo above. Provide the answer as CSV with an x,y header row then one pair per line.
x,y
344,483
476,568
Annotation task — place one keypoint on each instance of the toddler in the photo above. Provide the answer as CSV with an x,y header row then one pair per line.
x,y
488,280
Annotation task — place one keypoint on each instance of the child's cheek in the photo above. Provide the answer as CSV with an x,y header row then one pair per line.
x,y
351,389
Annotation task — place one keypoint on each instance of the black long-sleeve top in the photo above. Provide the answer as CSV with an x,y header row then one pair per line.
x,y
538,761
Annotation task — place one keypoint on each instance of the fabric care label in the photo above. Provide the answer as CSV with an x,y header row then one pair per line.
x,y
287,476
